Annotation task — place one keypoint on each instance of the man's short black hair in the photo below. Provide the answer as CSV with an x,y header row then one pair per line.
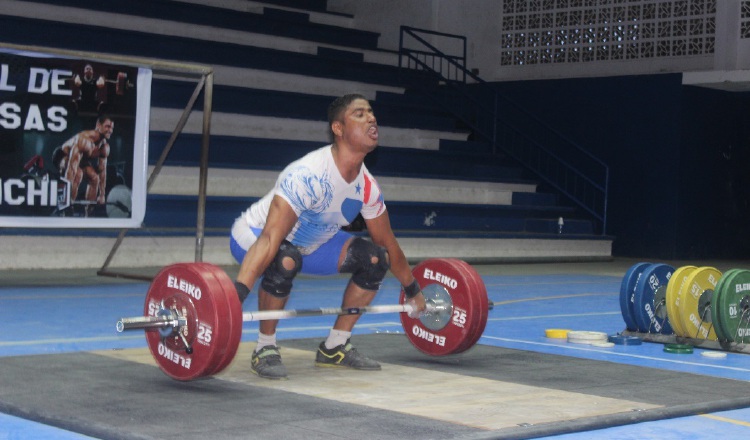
x,y
337,107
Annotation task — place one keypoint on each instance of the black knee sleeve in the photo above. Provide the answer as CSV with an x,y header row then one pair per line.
x,y
277,280
358,262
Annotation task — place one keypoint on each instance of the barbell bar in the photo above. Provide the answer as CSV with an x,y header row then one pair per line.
x,y
169,321
193,317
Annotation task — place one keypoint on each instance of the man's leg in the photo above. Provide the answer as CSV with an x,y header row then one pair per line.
x,y
92,183
75,184
273,294
368,264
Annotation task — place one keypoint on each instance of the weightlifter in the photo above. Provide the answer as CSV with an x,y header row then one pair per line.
x,y
88,86
296,227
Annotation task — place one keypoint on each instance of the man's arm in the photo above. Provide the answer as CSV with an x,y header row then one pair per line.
x,y
102,170
74,159
281,220
382,235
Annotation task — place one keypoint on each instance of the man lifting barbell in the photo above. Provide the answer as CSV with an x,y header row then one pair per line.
x,y
193,311
193,315
296,228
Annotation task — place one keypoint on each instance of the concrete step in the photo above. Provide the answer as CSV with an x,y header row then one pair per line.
x,y
171,28
231,124
86,251
256,183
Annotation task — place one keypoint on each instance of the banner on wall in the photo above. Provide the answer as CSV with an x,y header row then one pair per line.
x,y
73,142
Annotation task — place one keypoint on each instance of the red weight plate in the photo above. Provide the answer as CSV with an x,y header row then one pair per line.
x,y
467,316
234,317
187,288
483,308
204,331
479,297
222,337
481,303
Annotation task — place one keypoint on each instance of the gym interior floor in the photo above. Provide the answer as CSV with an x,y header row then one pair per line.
x,y
66,373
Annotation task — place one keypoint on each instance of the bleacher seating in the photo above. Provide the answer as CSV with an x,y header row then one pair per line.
x,y
447,195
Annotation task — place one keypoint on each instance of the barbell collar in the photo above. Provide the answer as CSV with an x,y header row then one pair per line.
x,y
150,322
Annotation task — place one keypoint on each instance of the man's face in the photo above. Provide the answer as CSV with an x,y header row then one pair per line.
x,y
359,127
88,71
106,128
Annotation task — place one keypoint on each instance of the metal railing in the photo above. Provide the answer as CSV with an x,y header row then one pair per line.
x,y
506,126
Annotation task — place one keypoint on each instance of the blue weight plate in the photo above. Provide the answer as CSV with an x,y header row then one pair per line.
x,y
625,340
627,288
649,301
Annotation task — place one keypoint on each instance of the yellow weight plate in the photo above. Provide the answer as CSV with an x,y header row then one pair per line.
x,y
694,296
556,333
673,299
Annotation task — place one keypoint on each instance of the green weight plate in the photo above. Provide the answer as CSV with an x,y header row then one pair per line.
x,y
678,348
734,307
719,327
695,301
720,315
673,300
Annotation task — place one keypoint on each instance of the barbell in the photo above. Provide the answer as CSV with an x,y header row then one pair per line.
x,y
121,83
193,316
118,204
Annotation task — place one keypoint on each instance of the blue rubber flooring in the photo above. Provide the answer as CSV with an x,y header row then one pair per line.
x,y
48,320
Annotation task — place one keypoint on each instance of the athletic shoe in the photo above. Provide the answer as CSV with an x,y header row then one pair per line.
x,y
267,363
344,356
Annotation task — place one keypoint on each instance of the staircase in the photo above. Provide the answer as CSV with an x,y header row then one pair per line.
x,y
277,65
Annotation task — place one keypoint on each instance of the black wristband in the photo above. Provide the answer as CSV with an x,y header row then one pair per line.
x,y
412,289
242,290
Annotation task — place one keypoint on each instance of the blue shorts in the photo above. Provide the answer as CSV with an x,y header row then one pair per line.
x,y
324,261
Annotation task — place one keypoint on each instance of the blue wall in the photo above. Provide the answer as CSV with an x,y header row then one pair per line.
x,y
663,142
715,182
